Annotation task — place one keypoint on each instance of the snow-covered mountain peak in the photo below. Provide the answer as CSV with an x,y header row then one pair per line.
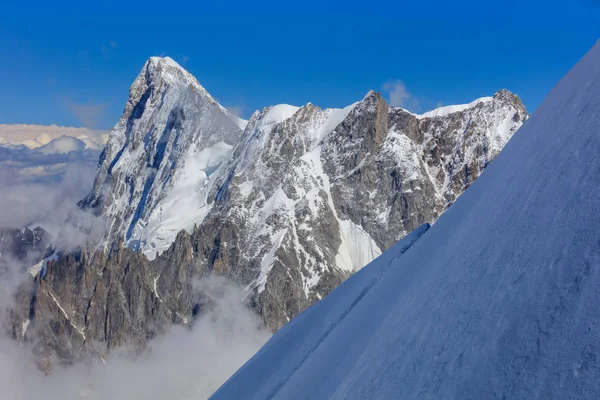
x,y
447,110
372,99
370,94
171,137
155,60
170,123
304,126
507,97
164,73
164,70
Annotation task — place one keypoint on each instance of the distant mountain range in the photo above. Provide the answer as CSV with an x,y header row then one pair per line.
x,y
34,136
45,161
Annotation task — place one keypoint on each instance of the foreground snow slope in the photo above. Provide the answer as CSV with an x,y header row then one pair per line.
x,y
499,299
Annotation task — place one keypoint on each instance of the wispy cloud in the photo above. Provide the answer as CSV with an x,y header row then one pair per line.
x,y
399,96
109,48
237,110
88,114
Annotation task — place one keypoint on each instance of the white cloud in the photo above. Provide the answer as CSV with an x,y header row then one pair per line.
x,y
399,96
43,188
89,114
185,364
238,110
109,48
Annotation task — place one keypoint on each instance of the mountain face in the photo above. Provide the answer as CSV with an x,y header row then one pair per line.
x,y
497,300
312,195
289,204
159,157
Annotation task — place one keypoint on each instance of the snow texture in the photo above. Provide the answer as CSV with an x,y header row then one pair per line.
x,y
499,299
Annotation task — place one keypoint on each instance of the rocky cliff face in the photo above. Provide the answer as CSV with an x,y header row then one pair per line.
x,y
289,207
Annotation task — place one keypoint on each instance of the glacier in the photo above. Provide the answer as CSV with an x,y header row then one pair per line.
x,y
498,299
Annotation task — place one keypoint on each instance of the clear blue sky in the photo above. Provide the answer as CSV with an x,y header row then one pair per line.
x,y
72,63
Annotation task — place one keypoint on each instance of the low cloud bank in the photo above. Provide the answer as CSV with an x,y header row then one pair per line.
x,y
43,190
184,364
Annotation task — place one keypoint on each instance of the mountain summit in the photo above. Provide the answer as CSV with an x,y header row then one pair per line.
x,y
499,299
151,176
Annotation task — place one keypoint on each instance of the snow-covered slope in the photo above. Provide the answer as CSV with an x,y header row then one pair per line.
x,y
499,299
445,110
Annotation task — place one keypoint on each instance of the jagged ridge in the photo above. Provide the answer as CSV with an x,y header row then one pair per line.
x,y
290,207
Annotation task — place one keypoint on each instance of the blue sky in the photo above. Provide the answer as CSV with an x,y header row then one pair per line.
x,y
72,63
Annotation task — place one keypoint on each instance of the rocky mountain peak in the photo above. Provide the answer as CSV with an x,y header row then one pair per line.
x,y
169,140
165,69
507,97
159,76
371,94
